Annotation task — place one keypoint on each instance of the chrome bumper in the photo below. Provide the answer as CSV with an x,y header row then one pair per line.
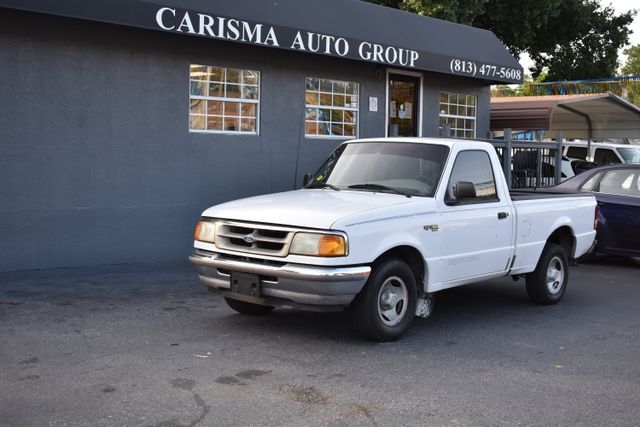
x,y
287,283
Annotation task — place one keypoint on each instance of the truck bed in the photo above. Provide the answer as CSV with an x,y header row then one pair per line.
x,y
540,212
521,195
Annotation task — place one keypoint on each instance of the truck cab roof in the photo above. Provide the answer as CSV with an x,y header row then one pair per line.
x,y
449,142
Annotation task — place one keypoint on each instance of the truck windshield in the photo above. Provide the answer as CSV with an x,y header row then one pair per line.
x,y
630,155
411,169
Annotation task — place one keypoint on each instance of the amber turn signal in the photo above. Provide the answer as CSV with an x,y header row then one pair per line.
x,y
205,232
317,244
331,245
197,232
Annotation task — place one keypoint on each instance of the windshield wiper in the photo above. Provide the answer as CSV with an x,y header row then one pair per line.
x,y
322,185
379,187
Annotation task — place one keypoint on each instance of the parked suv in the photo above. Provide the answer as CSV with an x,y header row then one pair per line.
x,y
602,153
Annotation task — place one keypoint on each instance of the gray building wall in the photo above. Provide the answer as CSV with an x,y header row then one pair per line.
x,y
97,165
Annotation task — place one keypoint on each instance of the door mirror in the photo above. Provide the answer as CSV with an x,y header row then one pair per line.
x,y
306,178
464,190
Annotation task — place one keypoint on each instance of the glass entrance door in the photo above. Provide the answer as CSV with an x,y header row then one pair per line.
x,y
404,102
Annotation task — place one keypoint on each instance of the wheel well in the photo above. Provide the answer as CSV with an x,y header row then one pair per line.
x,y
411,256
563,236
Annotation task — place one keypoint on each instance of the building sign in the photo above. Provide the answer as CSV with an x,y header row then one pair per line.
x,y
238,30
154,15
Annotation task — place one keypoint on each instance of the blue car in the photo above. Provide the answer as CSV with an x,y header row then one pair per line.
x,y
617,190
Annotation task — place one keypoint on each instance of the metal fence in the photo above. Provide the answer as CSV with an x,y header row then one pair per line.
x,y
528,164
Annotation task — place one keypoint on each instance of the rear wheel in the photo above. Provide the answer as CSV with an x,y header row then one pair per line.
x,y
548,282
385,308
247,307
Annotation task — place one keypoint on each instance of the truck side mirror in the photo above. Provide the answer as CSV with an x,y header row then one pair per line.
x,y
306,178
464,190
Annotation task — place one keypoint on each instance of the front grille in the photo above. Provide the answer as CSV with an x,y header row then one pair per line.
x,y
253,238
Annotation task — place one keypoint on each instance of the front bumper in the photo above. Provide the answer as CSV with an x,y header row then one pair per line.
x,y
283,283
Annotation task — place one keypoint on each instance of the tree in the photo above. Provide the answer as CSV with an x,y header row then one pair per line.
x,y
632,66
585,44
567,39
460,11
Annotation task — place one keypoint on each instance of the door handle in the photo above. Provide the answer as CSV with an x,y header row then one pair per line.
x,y
502,215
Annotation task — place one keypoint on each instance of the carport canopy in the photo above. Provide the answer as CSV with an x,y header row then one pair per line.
x,y
598,116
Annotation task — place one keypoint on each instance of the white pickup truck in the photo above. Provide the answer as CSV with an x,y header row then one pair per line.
x,y
382,226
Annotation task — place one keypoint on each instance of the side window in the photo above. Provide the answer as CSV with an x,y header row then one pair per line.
x,y
591,183
605,156
621,182
328,165
472,179
577,153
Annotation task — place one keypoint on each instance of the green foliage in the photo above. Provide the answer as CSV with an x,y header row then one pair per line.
x,y
460,11
632,66
567,39
586,43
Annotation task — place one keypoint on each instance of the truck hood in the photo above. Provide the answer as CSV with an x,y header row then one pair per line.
x,y
311,208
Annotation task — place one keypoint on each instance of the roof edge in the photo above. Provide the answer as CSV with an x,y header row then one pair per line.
x,y
348,45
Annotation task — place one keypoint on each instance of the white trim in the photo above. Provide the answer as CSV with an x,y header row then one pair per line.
x,y
223,99
421,100
328,107
345,137
223,132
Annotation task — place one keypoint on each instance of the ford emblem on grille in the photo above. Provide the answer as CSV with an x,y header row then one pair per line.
x,y
249,238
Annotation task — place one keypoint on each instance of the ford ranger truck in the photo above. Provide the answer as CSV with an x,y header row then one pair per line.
x,y
385,224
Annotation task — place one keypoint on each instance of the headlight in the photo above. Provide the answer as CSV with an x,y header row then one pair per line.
x,y
205,232
317,244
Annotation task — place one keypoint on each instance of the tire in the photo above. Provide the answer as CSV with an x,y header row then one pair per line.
x,y
384,309
248,308
548,282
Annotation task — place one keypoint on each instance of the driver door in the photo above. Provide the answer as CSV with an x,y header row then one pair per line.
x,y
476,233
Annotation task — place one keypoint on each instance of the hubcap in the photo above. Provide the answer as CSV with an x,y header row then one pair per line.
x,y
555,275
392,301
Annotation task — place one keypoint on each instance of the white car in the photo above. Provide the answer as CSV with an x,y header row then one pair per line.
x,y
383,226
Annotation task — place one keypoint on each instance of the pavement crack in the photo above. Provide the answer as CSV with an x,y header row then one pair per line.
x,y
363,410
205,409
30,361
188,385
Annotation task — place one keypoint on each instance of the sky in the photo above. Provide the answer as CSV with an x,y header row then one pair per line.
x,y
620,6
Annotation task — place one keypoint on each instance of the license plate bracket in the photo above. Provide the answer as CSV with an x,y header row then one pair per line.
x,y
245,284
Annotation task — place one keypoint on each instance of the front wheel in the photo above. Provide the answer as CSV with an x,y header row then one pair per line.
x,y
548,282
247,307
385,308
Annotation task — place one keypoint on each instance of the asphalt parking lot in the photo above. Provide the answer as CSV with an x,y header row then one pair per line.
x,y
147,345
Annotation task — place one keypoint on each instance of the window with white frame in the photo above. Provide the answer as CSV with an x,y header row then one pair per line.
x,y
224,100
331,108
459,112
